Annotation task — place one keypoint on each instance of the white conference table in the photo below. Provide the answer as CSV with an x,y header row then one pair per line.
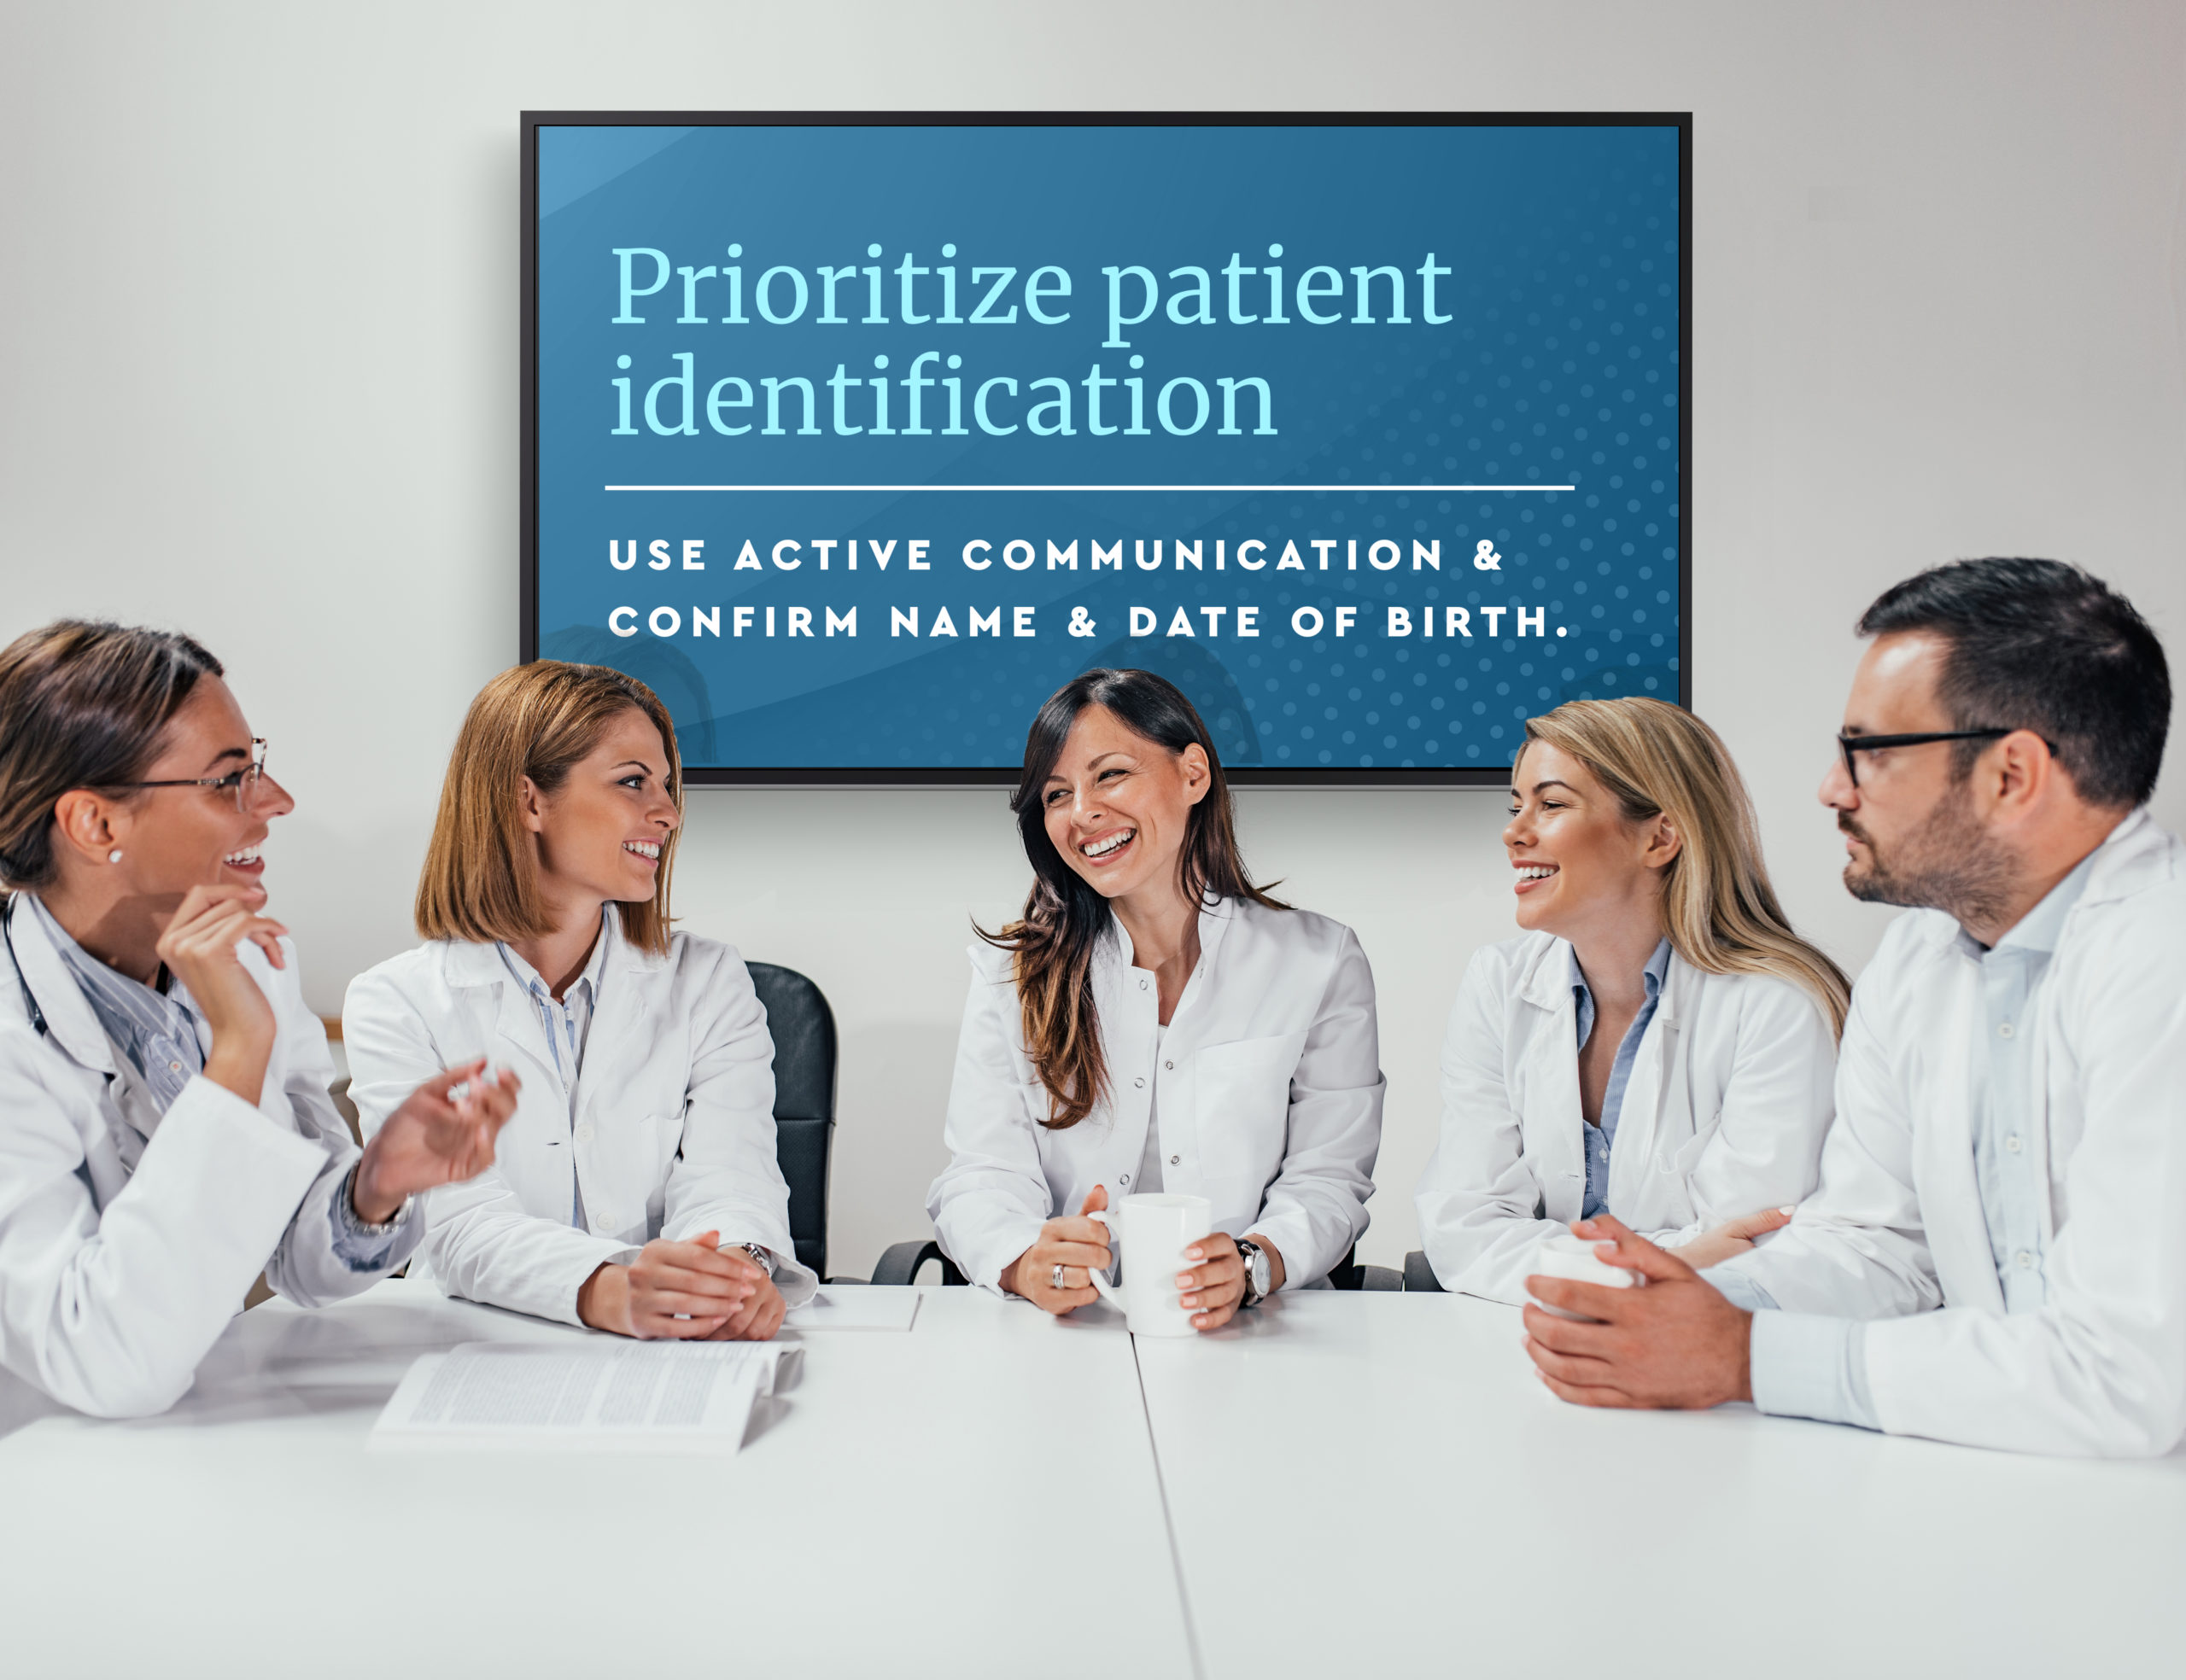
x,y
1376,1483
1340,1484
973,1497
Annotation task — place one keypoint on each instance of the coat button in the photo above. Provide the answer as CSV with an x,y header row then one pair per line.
x,y
2025,1260
1139,1084
1173,1159
1141,985
584,1133
1123,1178
1172,1066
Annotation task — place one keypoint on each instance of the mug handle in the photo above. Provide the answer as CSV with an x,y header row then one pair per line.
x,y
1108,1291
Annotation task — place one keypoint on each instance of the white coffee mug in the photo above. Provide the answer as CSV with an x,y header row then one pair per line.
x,y
1574,1258
1155,1231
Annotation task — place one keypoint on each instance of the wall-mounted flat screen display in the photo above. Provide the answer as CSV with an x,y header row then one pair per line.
x,y
855,436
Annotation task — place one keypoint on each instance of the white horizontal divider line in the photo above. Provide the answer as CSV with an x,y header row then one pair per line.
x,y
1223,489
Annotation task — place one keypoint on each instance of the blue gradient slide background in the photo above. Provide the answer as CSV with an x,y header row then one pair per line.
x,y
1560,366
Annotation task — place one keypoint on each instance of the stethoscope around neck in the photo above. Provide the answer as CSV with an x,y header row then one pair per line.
x,y
29,998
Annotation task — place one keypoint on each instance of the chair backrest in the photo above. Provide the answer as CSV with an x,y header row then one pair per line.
x,y
804,1031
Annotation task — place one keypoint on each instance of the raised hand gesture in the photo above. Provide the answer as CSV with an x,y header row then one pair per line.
x,y
443,1133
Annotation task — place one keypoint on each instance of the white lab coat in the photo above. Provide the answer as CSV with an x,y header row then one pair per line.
x,y
674,1129
1897,1229
1269,1081
129,1238
1723,1115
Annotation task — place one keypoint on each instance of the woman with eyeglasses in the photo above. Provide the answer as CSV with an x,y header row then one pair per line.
x,y
637,1190
1154,1022
166,1132
1659,1044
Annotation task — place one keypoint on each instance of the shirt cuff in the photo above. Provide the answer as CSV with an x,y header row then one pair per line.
x,y
1807,1366
1738,1289
369,1248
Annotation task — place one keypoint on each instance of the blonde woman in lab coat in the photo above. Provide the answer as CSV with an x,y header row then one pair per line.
x,y
636,1191
1659,1044
1154,1022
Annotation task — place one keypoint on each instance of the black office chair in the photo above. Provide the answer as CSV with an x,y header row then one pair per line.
x,y
900,1263
1418,1275
804,1031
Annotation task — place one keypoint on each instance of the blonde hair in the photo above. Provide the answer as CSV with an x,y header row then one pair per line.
x,y
480,879
1718,908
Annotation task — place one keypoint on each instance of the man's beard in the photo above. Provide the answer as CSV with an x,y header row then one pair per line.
x,y
1949,863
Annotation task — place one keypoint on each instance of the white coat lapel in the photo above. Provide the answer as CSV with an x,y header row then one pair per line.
x,y
626,1016
1657,1120
497,1001
1942,1173
46,977
1549,1115
1127,1011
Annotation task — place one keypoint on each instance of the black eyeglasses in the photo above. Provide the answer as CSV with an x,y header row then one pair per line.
x,y
243,784
1849,744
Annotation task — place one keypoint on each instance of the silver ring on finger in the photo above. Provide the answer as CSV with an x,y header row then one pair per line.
x,y
1056,1282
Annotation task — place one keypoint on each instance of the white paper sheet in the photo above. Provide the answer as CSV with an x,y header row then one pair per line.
x,y
594,1395
855,1308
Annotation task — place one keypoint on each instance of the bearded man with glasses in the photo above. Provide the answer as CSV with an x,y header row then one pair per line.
x,y
1995,1255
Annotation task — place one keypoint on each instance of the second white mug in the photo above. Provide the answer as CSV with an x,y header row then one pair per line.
x,y
1156,1230
1574,1258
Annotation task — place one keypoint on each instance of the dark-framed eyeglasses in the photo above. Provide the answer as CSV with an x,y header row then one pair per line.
x,y
1850,744
241,785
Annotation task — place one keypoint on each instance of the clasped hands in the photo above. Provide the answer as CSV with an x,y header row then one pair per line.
x,y
690,1290
1213,1287
1674,1344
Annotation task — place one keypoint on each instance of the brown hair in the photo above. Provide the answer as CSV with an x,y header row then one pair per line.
x,y
480,879
82,705
1065,916
1718,908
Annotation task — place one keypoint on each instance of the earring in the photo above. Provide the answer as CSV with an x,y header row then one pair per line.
x,y
114,856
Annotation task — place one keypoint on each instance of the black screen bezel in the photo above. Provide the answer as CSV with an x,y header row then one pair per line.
x,y
1482,776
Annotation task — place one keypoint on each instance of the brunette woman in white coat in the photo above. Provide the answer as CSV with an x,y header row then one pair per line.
x,y
636,1190
166,1133
1659,1045
1154,1022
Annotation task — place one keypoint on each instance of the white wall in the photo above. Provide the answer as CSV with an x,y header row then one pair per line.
x,y
257,378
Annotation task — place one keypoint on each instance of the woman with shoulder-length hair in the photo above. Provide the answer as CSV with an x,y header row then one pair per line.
x,y
1659,1045
166,1133
636,1190
1154,1022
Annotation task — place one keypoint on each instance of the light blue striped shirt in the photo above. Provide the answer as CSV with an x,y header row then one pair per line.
x,y
1601,1139
567,1023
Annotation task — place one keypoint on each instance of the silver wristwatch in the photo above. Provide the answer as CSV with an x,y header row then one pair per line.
x,y
1256,1271
766,1260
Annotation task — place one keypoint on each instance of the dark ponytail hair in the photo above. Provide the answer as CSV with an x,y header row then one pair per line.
x,y
82,705
1065,917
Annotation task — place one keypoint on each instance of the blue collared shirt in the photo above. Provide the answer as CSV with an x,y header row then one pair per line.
x,y
1601,1139
1808,1365
567,1022
158,1031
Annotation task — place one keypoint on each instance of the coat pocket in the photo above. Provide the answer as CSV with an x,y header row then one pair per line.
x,y
1682,1160
1242,1103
